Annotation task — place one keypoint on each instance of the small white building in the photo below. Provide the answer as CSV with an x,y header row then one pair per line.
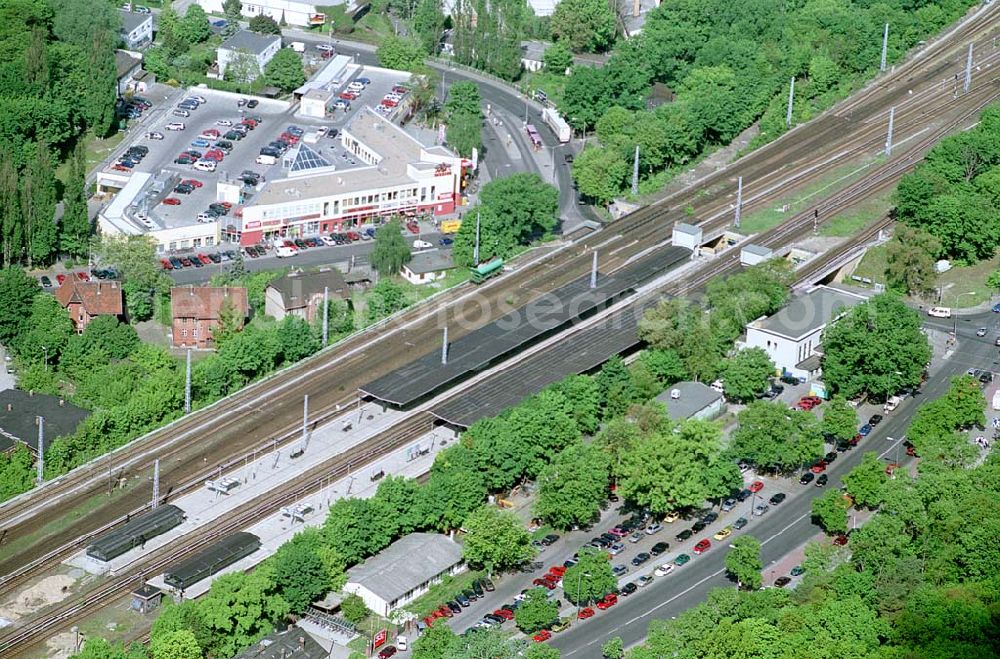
x,y
753,254
426,267
692,400
294,12
533,55
127,67
791,337
404,571
262,47
686,235
137,29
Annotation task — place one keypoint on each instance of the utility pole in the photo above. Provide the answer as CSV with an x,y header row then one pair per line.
x,y
968,71
187,385
326,315
739,202
885,47
156,483
40,462
791,100
593,272
475,249
635,172
305,420
444,348
888,139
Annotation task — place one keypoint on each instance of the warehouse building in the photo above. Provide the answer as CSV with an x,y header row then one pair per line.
x,y
404,571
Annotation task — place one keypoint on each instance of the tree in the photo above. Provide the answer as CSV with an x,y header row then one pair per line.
x,y
113,338
536,611
238,609
572,487
910,261
878,347
400,53
590,579
74,226
233,12
496,539
866,482
49,331
485,644
264,25
743,562
38,204
840,420
541,651
284,71
993,281
463,98
391,251
965,402
428,23
599,173
142,276
386,298
17,292
667,470
830,511
354,609
584,25
583,401
614,383
557,58
179,644
194,27
299,572
434,643
354,528
665,365
454,490
464,133
746,374
771,436
242,68
16,473
298,339
613,648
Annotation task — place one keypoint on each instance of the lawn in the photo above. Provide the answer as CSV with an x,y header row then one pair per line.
x,y
872,265
442,592
786,207
857,217
965,286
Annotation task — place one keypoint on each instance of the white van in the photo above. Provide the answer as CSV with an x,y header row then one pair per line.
x,y
939,312
265,160
892,403
284,252
205,165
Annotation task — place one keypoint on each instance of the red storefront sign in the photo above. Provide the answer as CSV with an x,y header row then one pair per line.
x,y
379,639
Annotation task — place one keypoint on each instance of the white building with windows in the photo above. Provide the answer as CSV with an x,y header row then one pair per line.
x,y
404,571
792,336
137,29
262,47
294,12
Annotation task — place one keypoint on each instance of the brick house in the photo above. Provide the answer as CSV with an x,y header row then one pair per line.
x,y
196,310
301,293
86,300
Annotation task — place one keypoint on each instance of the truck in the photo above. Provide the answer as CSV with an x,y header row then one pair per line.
x,y
996,400
266,160
451,226
558,125
298,46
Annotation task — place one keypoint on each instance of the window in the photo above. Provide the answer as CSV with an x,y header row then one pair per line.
x,y
209,241
184,334
196,242
194,333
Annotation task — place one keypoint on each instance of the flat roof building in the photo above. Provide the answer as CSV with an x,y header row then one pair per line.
x,y
692,400
294,12
791,337
404,570
19,412
261,47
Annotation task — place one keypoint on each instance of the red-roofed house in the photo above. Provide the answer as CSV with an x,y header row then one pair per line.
x,y
87,300
196,310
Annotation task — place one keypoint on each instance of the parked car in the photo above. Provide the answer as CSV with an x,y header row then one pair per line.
x,y
723,533
681,560
781,582
740,523
760,509
822,480
777,498
703,545
607,602
659,548
640,558
756,486
806,478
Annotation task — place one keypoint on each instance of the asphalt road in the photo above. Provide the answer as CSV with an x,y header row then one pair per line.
x,y
785,527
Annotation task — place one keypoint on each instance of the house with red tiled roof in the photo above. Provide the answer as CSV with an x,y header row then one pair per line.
x,y
197,312
86,300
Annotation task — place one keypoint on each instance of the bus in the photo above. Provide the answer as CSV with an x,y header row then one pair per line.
x,y
536,139
484,271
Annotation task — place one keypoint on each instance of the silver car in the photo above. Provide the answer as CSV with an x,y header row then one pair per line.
x,y
760,509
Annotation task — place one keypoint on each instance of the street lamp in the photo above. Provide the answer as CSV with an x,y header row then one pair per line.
x,y
579,587
46,358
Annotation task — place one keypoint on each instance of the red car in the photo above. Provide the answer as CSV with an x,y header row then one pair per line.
x,y
542,636
172,201
217,156
558,570
544,583
856,439
249,123
891,467
840,540
204,259
400,90
413,227
211,132
167,265
83,276
585,613
389,102
819,467
186,262
506,614
429,621
225,204
609,600
910,449
702,546
445,612
349,96
756,486
387,651
193,182
61,279
809,402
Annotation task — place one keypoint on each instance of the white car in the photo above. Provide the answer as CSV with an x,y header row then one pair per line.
x,y
421,244
664,570
324,48
205,165
356,87
200,100
401,642
616,549
284,252
655,527
327,240
154,135
939,312
223,122
175,125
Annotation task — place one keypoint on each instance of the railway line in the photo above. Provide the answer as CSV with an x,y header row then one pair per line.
x,y
414,424
271,408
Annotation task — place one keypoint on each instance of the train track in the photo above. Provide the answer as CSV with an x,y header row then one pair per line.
x,y
270,408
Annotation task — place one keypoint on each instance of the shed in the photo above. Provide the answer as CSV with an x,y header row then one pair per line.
x,y
753,254
692,400
686,235
426,267
146,598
